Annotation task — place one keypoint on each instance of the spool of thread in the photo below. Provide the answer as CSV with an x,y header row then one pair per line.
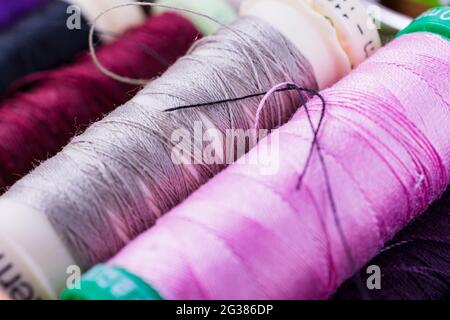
x,y
31,134
125,159
352,169
52,36
13,10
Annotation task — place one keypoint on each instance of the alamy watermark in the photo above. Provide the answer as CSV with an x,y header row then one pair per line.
x,y
73,280
373,281
73,22
211,146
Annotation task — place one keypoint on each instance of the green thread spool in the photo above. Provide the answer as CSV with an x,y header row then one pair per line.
x,y
435,20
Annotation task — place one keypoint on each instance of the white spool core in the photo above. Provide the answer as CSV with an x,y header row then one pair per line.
x,y
116,21
313,35
357,32
31,250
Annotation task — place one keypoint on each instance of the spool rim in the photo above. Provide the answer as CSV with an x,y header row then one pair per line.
x,y
431,21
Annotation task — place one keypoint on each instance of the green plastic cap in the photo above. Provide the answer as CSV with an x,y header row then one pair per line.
x,y
105,282
429,2
436,20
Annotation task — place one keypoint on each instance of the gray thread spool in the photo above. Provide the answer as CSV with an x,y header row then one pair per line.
x,y
112,182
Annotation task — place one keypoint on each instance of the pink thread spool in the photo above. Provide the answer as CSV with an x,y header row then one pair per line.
x,y
247,235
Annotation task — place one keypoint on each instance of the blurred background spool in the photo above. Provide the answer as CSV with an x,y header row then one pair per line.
x,y
54,34
111,25
3,296
415,265
412,8
11,11
44,110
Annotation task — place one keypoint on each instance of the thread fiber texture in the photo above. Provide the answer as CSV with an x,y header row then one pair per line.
x,y
112,182
244,235
45,110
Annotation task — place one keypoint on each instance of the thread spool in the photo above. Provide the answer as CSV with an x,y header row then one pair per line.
x,y
53,35
415,265
14,10
284,243
353,45
48,279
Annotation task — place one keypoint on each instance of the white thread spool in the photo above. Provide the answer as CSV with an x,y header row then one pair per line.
x,y
332,47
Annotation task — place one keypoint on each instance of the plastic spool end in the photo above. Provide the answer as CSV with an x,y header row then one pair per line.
x,y
105,282
32,253
313,35
356,29
435,20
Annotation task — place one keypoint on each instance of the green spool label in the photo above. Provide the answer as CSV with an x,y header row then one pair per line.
x,y
436,20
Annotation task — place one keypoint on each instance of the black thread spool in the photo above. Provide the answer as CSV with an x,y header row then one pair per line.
x,y
39,42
